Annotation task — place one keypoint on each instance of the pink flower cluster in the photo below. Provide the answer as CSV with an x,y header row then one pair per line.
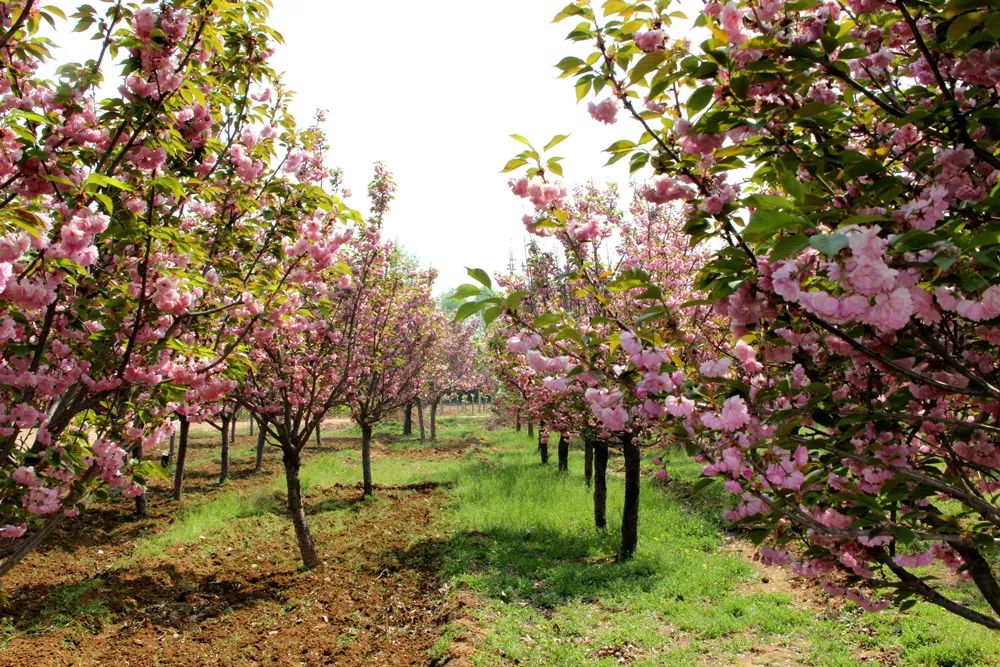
x,y
605,111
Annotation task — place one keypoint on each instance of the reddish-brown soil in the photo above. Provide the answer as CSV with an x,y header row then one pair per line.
x,y
87,599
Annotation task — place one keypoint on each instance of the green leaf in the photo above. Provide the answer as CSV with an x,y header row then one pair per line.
x,y
100,180
829,244
511,165
555,141
518,137
765,223
465,291
569,62
699,99
467,310
789,246
480,276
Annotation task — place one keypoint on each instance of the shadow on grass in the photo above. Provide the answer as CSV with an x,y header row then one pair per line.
x,y
543,568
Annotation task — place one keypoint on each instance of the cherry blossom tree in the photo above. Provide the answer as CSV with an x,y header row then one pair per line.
x,y
842,161
136,235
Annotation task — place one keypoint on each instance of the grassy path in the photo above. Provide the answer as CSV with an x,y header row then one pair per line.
x,y
495,563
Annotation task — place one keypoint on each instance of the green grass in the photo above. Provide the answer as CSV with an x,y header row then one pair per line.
x,y
525,543
522,540
214,518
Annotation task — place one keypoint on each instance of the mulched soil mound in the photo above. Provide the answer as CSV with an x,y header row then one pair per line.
x,y
375,600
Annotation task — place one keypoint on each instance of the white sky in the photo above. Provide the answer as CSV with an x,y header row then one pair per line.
x,y
434,89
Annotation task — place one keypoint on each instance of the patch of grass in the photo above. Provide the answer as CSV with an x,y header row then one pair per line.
x,y
73,606
210,518
553,593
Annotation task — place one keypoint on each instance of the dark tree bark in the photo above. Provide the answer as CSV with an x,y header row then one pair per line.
x,y
517,423
140,500
232,434
420,418
170,451
307,548
543,444
261,441
182,445
630,513
366,458
408,419
601,485
588,461
531,429
434,410
224,459
319,433
563,453
252,420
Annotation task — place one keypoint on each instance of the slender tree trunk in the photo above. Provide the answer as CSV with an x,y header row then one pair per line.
x,y
434,410
543,444
232,434
319,433
140,500
601,485
531,429
170,452
366,458
420,418
224,459
563,452
307,548
408,419
25,546
517,422
252,420
261,441
588,460
630,513
182,446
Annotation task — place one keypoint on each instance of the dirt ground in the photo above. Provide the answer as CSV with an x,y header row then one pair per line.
x,y
376,598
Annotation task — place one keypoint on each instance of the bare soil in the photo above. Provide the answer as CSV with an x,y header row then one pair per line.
x,y
86,599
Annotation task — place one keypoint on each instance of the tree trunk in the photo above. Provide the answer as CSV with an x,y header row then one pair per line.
x,y
319,433
140,500
420,418
563,452
517,422
252,420
630,513
261,441
224,459
170,452
531,429
366,458
434,411
588,461
307,548
232,434
543,444
182,446
408,419
601,485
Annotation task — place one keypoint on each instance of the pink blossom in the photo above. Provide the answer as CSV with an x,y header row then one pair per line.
x,y
12,532
604,111
649,41
731,19
716,367
733,417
